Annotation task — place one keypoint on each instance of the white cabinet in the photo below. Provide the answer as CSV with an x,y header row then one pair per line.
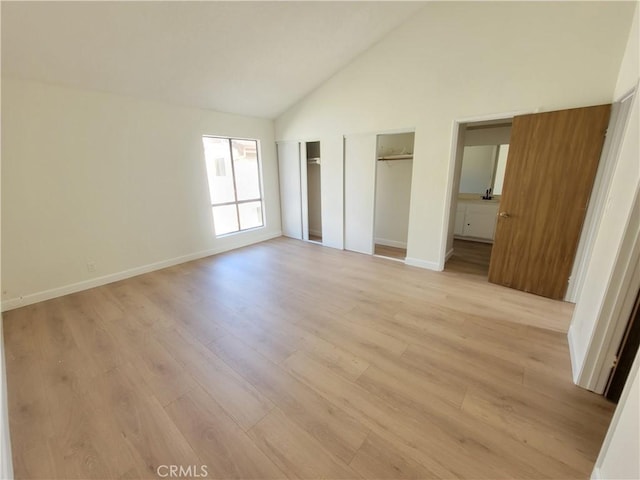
x,y
458,228
476,219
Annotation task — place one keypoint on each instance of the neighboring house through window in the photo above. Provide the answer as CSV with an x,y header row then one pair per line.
x,y
235,183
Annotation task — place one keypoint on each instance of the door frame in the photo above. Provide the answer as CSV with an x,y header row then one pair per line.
x,y
595,209
616,307
455,169
375,176
375,191
304,194
610,152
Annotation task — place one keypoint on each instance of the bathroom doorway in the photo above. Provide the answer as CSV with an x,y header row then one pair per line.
x,y
480,174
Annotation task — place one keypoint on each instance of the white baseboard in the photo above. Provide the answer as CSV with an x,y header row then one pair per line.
x,y
575,370
448,255
390,243
595,475
416,262
317,233
32,298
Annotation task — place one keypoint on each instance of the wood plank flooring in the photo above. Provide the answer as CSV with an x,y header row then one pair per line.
x,y
391,252
290,360
470,257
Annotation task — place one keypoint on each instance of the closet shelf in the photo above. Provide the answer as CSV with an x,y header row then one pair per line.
x,y
314,160
404,156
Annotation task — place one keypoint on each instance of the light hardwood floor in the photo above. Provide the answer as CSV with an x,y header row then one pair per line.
x,y
470,257
288,359
391,252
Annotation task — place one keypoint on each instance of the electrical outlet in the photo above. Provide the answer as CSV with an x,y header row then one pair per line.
x,y
91,266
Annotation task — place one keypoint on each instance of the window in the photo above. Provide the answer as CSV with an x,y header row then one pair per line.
x,y
235,183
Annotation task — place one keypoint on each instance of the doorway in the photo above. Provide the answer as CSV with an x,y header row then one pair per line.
x,y
480,172
313,224
394,167
550,170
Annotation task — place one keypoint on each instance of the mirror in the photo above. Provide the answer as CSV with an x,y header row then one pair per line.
x,y
483,168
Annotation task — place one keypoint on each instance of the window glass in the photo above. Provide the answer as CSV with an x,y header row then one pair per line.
x,y
245,162
233,172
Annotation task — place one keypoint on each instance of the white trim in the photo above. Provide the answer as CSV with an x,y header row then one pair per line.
x,y
401,260
416,262
614,310
620,114
575,370
496,116
615,420
132,272
390,243
620,320
448,255
6,461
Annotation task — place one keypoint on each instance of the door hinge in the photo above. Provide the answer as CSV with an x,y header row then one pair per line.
x,y
611,361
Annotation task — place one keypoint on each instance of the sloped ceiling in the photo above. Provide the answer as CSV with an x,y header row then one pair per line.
x,y
250,58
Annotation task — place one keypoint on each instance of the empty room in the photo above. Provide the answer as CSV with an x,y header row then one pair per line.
x,y
320,240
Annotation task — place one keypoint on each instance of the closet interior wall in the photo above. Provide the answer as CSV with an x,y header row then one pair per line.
x,y
393,189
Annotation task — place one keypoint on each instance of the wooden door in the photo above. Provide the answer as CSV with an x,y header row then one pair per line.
x,y
359,192
551,167
290,188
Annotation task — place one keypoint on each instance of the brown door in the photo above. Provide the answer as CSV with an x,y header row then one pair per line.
x,y
552,163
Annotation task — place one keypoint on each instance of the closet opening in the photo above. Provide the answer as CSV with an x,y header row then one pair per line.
x,y
481,161
394,167
313,230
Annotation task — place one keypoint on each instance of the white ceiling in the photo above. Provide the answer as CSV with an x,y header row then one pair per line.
x,y
251,58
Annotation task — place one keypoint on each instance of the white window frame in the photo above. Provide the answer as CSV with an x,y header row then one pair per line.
x,y
237,202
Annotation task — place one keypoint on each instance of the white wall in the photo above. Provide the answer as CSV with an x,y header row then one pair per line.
x,y
314,199
393,190
393,194
331,173
90,176
395,143
603,272
450,61
618,458
487,136
501,168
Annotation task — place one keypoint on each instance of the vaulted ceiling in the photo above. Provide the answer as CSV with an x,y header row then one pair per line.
x,y
251,58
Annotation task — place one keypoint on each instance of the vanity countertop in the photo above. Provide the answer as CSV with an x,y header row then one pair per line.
x,y
477,198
